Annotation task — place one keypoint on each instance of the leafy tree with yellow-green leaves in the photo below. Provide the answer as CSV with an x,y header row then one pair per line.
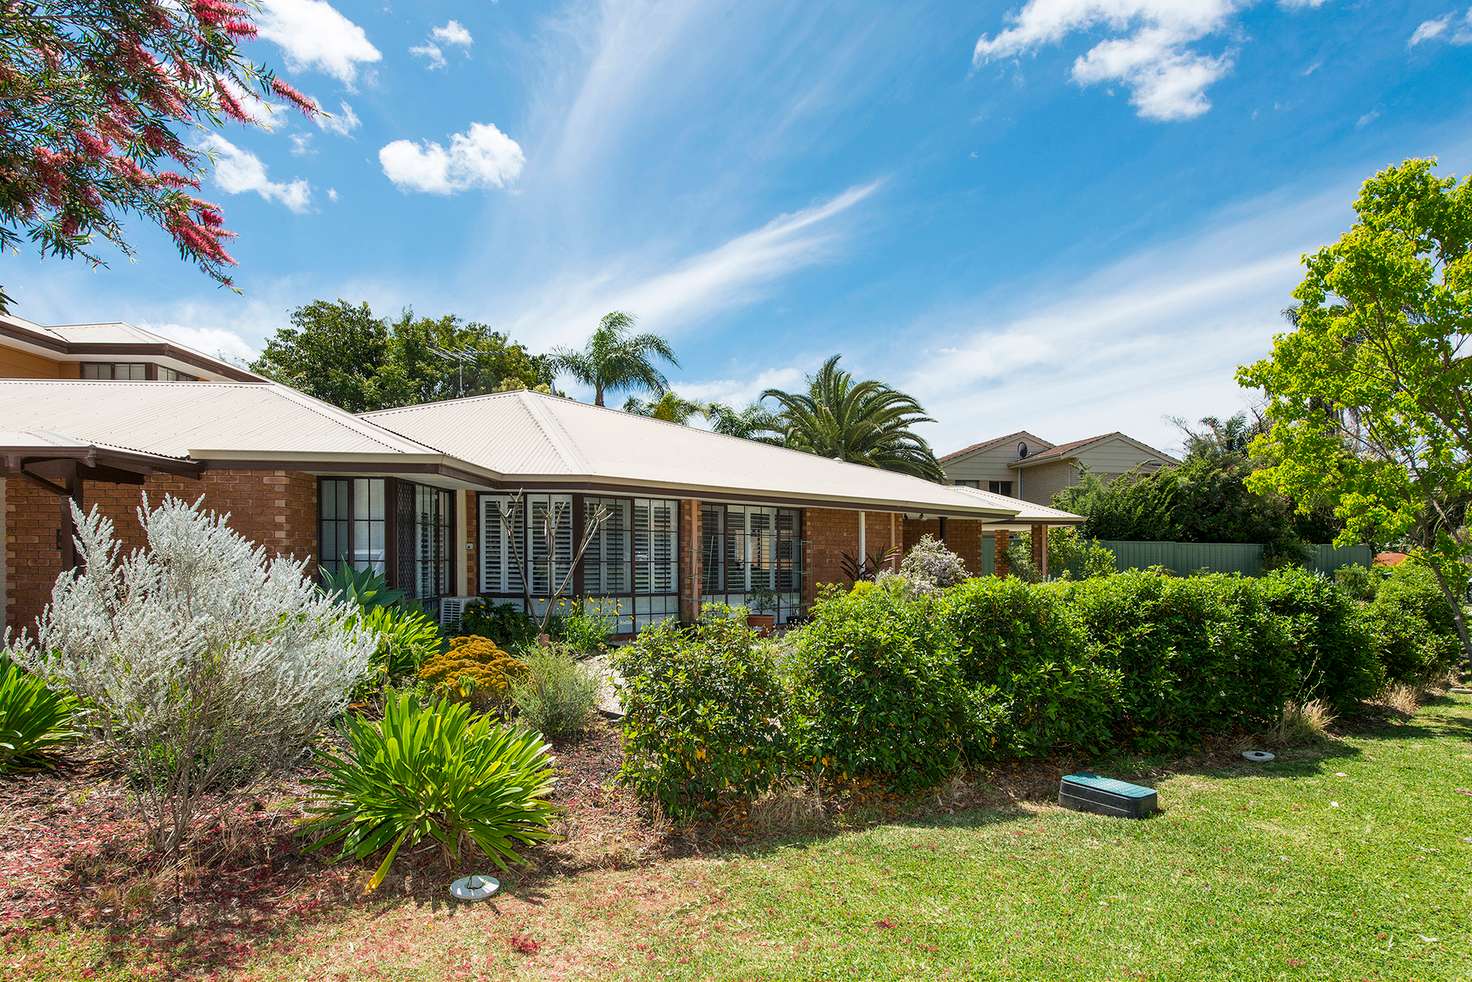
x,y
1370,394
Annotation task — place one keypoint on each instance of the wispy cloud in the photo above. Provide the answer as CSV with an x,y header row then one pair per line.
x,y
1155,55
728,276
452,33
1448,27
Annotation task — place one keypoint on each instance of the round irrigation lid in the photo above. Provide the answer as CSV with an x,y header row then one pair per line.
x,y
1258,756
474,887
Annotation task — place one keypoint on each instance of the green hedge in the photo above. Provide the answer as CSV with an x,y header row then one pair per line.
x,y
901,686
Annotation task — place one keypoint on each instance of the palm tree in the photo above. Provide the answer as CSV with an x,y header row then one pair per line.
x,y
613,359
668,407
864,422
755,422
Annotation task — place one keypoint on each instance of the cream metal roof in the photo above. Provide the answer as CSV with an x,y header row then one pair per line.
x,y
1028,513
540,439
199,420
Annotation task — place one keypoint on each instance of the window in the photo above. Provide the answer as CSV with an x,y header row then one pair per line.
x,y
744,548
353,521
967,484
608,562
118,371
424,540
655,545
166,374
1000,487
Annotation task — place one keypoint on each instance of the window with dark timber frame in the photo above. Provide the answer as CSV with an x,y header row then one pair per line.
x,y
751,547
399,528
631,566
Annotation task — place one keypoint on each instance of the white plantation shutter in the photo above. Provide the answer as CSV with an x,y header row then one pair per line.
x,y
497,572
606,563
544,512
655,545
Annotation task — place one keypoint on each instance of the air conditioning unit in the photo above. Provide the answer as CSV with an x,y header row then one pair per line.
x,y
452,609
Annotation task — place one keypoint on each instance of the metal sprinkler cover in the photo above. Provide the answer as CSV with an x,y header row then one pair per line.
x,y
1258,756
474,887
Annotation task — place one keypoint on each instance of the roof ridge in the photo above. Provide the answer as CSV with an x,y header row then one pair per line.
x,y
363,427
561,440
443,402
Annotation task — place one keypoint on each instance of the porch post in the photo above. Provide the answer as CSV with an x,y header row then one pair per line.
x,y
689,564
863,545
1004,568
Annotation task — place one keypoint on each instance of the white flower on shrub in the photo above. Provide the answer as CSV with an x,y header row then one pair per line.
x,y
930,566
206,663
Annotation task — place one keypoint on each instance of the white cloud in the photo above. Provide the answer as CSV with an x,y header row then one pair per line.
x,y
481,157
218,342
1153,53
453,32
733,274
239,171
1367,119
342,122
332,194
430,52
739,392
314,35
1448,26
301,145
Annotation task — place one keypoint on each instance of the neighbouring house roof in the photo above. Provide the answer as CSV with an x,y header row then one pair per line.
x,y
534,439
181,420
1065,451
1027,512
115,342
993,442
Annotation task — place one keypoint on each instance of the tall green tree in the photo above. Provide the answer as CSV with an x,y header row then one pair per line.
x,y
669,407
755,422
345,355
1370,395
103,102
860,421
614,359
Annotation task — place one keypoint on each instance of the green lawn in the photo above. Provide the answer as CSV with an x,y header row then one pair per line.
x,y
1353,861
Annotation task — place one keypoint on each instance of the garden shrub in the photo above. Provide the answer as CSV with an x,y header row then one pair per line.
x,y
875,687
1414,627
1333,651
1360,582
473,668
705,712
35,719
556,694
407,638
1032,685
505,624
204,664
929,566
1193,656
432,770
586,625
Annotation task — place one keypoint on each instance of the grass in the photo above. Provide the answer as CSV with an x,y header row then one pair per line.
x,y
1348,859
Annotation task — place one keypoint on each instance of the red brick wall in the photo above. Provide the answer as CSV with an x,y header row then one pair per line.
x,y
277,509
829,534
689,560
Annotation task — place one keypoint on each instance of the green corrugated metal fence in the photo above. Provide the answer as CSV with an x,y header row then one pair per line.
x,y
1184,558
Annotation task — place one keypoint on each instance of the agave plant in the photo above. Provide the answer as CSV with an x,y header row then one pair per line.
x,y
365,588
34,718
433,770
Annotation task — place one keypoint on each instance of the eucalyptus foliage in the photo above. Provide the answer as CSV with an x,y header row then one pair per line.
x,y
205,662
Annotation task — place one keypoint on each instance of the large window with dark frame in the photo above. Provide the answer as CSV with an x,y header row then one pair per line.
x,y
747,551
630,569
398,528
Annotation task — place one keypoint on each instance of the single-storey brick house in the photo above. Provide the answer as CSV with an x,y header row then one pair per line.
x,y
415,493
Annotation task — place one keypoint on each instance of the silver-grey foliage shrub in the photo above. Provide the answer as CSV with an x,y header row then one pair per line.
x,y
930,566
206,663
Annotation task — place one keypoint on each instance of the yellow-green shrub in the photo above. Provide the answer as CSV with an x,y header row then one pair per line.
x,y
474,668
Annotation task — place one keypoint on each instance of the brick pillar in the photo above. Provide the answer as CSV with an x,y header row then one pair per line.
x,y
1040,548
1004,568
691,573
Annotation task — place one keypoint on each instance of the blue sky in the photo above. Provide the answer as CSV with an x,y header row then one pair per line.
x,y
1070,216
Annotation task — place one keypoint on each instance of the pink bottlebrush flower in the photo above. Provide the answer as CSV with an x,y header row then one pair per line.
x,y
230,104
240,28
95,145
291,95
174,179
69,224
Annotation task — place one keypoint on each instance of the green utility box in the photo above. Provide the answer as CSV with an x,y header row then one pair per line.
x,y
1088,792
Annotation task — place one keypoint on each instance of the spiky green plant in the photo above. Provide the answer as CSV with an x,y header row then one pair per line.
x,y
407,637
433,770
35,719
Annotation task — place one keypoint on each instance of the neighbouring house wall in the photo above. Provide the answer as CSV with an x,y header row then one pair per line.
x,y
15,363
830,534
1115,456
1041,482
276,509
990,464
